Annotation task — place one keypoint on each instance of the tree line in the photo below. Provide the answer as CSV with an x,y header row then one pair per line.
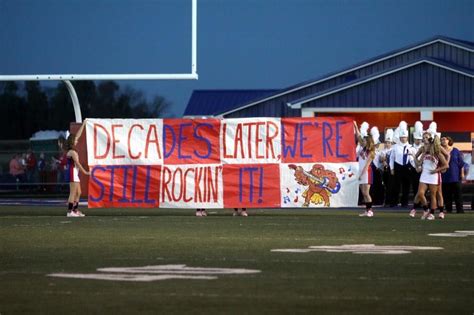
x,y
26,109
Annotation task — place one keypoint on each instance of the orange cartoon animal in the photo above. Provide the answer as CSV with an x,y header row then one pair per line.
x,y
321,184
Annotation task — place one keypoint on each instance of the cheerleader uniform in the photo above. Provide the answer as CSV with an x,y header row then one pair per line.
x,y
363,156
72,172
430,163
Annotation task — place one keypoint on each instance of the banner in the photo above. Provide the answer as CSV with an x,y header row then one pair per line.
x,y
222,163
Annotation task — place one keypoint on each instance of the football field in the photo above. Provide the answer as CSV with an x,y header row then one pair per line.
x,y
130,261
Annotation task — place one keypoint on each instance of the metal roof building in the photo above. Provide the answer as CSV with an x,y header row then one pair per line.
x,y
429,80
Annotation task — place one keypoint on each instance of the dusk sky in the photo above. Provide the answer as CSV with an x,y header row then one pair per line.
x,y
242,44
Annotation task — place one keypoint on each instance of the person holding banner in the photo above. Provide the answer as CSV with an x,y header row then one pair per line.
x,y
365,154
242,213
73,167
201,212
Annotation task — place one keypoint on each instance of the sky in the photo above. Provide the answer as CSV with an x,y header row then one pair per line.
x,y
242,44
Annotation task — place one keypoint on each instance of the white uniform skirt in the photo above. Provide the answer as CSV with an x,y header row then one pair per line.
x,y
426,177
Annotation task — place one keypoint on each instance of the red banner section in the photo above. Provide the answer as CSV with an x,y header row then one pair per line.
x,y
305,140
251,185
125,186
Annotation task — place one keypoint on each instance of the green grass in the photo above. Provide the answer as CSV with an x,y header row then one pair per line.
x,y
36,241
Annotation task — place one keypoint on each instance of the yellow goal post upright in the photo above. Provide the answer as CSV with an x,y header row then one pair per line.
x,y
67,78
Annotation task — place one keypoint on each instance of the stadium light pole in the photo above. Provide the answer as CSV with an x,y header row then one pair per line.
x,y
67,78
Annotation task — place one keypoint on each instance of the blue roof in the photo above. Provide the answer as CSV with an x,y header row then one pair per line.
x,y
434,61
211,102
463,43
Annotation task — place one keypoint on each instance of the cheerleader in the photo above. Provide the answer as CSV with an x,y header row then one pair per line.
x,y
73,167
365,154
431,162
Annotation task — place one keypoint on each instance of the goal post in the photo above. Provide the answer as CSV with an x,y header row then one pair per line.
x,y
66,78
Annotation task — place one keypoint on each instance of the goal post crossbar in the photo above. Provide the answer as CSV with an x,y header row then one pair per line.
x,y
92,77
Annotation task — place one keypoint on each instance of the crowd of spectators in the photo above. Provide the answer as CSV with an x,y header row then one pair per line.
x,y
31,173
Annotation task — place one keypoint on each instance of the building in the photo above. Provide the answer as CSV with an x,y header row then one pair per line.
x,y
429,80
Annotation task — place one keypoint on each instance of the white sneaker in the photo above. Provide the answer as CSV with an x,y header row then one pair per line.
x,y
370,213
412,213
430,217
244,213
425,214
204,213
236,213
198,213
72,214
441,216
80,214
364,214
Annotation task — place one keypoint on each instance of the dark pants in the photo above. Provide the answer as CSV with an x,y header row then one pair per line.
x,y
402,178
387,180
376,189
452,192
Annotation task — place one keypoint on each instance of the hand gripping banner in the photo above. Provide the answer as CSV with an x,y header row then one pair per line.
x,y
222,163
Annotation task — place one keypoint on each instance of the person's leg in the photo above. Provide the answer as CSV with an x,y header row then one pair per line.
x,y
457,193
17,182
421,199
72,196
405,186
386,187
396,185
376,189
433,200
447,196
365,190
440,199
77,198
242,212
199,212
415,182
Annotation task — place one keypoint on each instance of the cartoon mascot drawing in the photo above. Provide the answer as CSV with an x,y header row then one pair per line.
x,y
321,184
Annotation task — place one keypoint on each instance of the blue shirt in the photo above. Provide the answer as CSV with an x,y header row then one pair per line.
x,y
456,163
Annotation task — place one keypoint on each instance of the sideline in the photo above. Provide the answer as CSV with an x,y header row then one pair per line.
x,y
37,202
